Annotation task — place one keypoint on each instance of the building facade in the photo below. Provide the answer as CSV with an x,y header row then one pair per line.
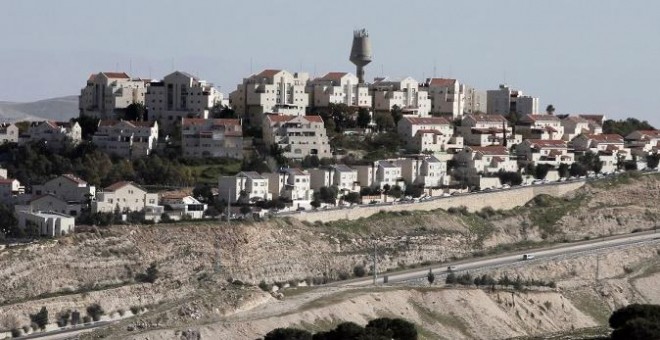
x,y
341,176
54,134
67,187
107,94
338,88
298,136
180,95
244,187
130,139
505,101
540,127
293,185
123,197
8,133
487,129
543,151
49,224
212,138
405,94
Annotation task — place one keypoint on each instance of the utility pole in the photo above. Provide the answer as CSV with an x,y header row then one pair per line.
x,y
375,267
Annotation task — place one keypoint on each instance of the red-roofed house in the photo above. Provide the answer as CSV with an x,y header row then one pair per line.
x,y
126,197
643,142
487,129
8,133
574,126
108,94
67,187
428,134
338,88
542,151
130,139
277,91
298,136
609,147
50,203
54,134
540,127
486,160
212,138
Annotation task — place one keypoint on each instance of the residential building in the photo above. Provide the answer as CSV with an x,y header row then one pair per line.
x,y
298,136
504,101
212,138
9,189
244,187
50,203
574,126
475,101
180,95
405,94
484,160
67,187
291,184
180,206
8,133
123,197
270,91
487,129
428,134
610,149
381,174
54,134
3,173
50,224
428,171
543,151
108,94
540,127
339,88
451,98
643,142
595,123
341,176
129,139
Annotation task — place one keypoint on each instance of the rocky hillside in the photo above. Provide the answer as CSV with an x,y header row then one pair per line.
x,y
105,262
59,109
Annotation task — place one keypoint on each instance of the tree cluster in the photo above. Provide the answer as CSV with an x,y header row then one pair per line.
x,y
636,322
625,127
518,283
377,329
510,177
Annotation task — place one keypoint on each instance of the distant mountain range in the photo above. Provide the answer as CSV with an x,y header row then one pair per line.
x,y
58,109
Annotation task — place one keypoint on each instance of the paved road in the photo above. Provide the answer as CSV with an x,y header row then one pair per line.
x,y
540,254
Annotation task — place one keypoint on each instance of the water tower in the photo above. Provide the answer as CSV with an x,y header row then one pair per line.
x,y
360,52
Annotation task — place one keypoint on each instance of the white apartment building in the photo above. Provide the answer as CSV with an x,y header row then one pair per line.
x,y
574,126
180,95
291,184
486,160
595,123
3,173
9,189
130,139
244,187
67,187
108,94
543,151
380,174
270,91
179,206
451,98
8,133
49,224
504,101
54,134
540,127
124,197
339,88
406,94
298,136
341,176
424,170
50,203
212,138
428,134
487,129
610,148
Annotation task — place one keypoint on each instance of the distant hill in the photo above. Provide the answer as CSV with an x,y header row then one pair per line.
x,y
59,109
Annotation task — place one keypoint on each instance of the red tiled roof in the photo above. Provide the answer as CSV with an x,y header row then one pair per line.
x,y
115,75
606,138
535,118
7,181
316,119
419,132
427,120
214,122
595,118
546,143
134,123
441,82
275,118
75,179
335,76
490,150
498,159
487,130
576,119
555,153
487,118
268,73
121,184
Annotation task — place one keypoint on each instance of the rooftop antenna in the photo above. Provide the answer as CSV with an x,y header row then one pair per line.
x,y
435,69
360,52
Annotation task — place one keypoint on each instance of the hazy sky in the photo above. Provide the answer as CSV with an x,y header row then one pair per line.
x,y
583,56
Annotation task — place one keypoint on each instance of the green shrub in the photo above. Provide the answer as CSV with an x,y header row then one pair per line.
x,y
95,311
359,271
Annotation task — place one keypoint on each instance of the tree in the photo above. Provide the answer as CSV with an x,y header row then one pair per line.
x,y
541,171
396,113
359,271
510,177
136,111
151,274
395,191
352,198
41,318
315,204
636,321
288,334
563,170
550,109
396,329
430,276
221,111
652,161
384,121
451,278
326,195
363,118
95,311
625,127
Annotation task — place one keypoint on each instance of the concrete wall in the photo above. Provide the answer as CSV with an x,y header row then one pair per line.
x,y
505,199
